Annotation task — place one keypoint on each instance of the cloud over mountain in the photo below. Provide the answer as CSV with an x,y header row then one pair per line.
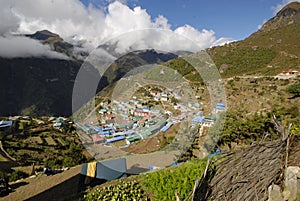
x,y
25,47
91,26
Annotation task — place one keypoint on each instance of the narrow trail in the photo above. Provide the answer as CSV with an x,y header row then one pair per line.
x,y
5,154
60,186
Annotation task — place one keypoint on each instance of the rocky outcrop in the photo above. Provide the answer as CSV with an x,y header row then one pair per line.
x,y
286,16
291,191
275,193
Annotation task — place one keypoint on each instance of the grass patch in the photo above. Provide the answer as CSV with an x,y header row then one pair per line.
x,y
61,141
162,184
37,140
50,141
125,190
2,159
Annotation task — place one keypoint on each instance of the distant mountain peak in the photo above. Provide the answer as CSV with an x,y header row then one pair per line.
x,y
289,14
289,9
55,42
44,35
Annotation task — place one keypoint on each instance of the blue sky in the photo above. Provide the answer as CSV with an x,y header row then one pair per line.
x,y
235,19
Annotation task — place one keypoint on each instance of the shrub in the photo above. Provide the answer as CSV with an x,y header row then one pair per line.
x,y
16,175
294,89
124,191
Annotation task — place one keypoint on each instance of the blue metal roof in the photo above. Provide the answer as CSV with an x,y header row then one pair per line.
x,y
220,106
198,119
4,124
115,139
107,132
129,132
165,128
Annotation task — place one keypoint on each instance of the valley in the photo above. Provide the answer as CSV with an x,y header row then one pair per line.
x,y
182,135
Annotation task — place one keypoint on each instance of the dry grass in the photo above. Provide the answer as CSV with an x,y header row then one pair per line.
x,y
37,139
50,141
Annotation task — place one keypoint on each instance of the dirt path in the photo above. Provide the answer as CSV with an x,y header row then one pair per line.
x,y
5,154
65,185
60,186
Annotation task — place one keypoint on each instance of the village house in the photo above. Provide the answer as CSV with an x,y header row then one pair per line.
x,y
6,125
102,111
290,72
164,97
198,120
156,98
176,107
154,93
220,107
97,138
209,120
194,105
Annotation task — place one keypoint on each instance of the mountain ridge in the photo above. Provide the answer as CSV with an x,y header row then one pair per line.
x,y
44,86
267,51
287,15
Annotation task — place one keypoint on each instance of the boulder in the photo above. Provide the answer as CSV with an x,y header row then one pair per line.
x,y
291,183
275,193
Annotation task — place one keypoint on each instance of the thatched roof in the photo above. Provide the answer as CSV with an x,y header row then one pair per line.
x,y
245,175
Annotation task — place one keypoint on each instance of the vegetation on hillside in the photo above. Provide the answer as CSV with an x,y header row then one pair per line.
x,y
185,69
294,89
165,183
42,144
244,60
159,185
268,51
125,191
242,129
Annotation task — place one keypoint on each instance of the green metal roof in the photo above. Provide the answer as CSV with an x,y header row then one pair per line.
x,y
133,138
210,117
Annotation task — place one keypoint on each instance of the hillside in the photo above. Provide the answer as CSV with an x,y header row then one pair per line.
x,y
273,48
43,86
37,86
128,62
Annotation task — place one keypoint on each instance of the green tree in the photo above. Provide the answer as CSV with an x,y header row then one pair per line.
x,y
73,156
16,175
174,100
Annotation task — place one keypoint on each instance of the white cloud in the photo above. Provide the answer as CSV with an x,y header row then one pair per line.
x,y
279,6
264,21
9,22
222,41
91,26
26,47
204,38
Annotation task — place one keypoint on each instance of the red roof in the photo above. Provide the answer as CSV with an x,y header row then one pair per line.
x,y
97,138
110,116
287,71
